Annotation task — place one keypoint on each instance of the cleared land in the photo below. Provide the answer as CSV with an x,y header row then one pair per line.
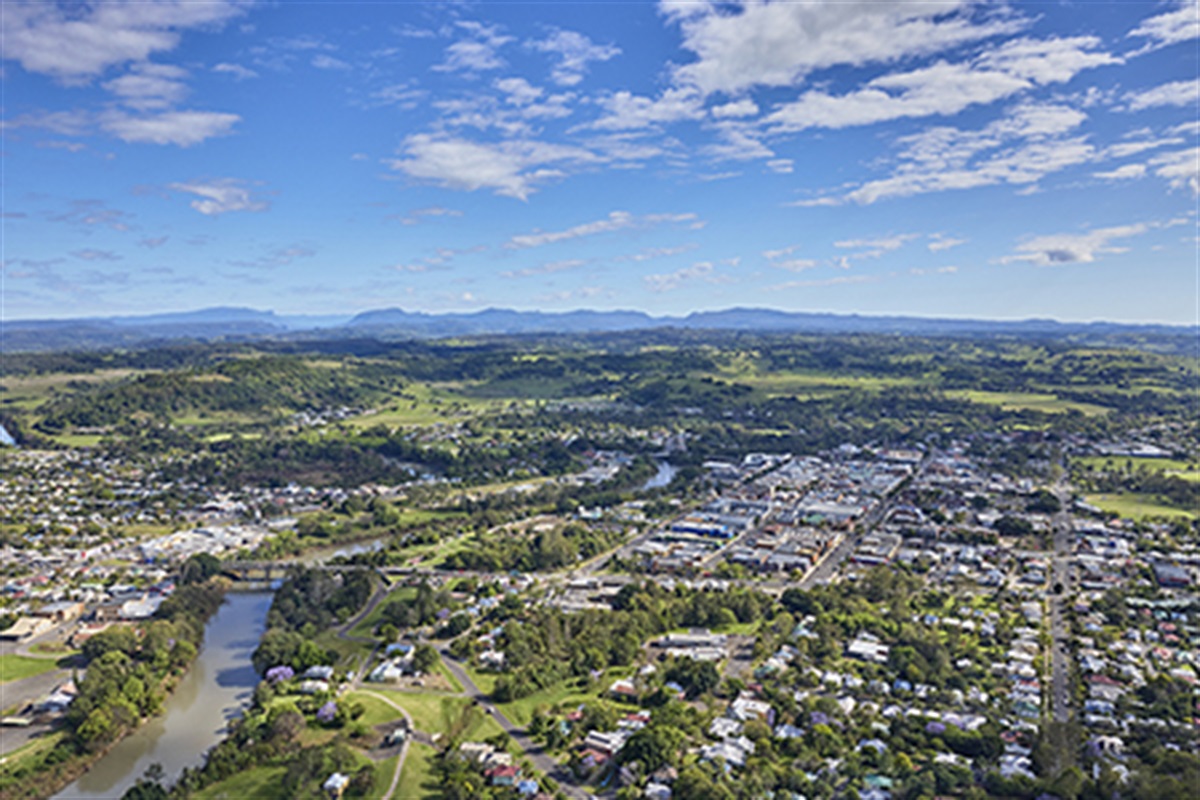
x,y
1136,506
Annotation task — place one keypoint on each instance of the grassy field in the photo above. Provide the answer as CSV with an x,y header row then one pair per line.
x,y
257,783
417,779
569,692
14,667
377,712
1023,401
1184,469
443,715
1136,506
366,626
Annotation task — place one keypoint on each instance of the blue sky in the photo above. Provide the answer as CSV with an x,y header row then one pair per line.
x,y
952,158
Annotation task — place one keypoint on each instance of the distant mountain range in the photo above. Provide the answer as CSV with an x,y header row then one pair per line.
x,y
392,323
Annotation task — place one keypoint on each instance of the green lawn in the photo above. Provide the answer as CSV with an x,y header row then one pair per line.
x,y
442,714
417,779
1026,401
383,778
377,712
257,783
1184,469
1136,506
366,626
14,667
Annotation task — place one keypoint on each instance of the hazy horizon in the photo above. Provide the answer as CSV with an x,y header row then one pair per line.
x,y
961,160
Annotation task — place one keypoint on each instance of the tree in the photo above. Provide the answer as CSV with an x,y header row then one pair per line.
x,y
199,568
425,658
654,746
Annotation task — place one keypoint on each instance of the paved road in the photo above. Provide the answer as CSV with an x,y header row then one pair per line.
x,y
533,751
403,748
1060,654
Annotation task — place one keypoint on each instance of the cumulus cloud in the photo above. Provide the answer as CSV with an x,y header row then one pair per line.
x,y
1029,142
1176,93
149,86
1123,173
236,70
220,196
477,53
76,42
279,257
1181,168
761,43
91,254
548,268
938,242
625,111
615,221
574,52
945,88
669,281
1179,25
744,107
183,128
1074,248
510,168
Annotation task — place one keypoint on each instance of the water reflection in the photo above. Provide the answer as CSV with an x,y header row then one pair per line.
x,y
215,690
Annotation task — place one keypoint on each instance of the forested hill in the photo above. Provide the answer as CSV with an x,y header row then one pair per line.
x,y
243,324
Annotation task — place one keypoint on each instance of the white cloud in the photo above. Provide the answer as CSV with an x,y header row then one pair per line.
x,y
149,86
476,54
1173,27
279,257
1181,168
325,61
615,221
1176,93
760,43
738,108
183,128
822,282
783,166
626,110
76,42
416,215
1124,173
511,168
876,247
1022,147
1073,248
220,196
545,269
939,242
236,70
936,271
575,51
91,254
657,252
944,88
669,281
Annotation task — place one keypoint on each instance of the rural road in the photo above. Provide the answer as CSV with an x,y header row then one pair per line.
x,y
403,748
550,766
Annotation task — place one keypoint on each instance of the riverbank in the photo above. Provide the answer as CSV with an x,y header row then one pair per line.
x,y
175,641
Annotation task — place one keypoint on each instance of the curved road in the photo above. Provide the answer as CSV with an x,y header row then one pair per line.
x,y
403,748
534,751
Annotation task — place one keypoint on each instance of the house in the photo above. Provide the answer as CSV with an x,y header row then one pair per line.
x,y
61,612
503,775
335,785
607,742
623,690
318,673
657,791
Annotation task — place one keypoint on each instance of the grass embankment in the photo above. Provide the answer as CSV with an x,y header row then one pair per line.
x,y
417,779
14,667
1026,401
1136,506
